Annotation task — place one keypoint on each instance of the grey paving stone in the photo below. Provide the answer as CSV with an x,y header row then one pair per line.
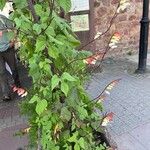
x,y
142,134
130,100
10,142
127,142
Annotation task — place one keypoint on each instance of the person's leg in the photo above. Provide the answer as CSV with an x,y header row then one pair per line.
x,y
3,78
11,60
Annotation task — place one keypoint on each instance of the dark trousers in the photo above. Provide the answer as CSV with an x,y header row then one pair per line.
x,y
9,57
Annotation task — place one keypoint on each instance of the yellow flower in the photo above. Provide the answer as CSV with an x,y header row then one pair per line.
x,y
123,5
107,119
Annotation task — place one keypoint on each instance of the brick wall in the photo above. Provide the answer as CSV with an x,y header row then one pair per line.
x,y
126,23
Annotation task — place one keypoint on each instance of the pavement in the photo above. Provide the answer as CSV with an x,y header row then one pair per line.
x,y
129,100
11,120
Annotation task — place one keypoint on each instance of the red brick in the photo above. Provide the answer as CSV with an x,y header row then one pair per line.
x,y
102,11
127,23
133,17
114,1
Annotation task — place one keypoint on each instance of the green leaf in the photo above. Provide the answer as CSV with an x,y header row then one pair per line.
x,y
65,114
64,88
47,68
50,31
67,76
38,9
81,142
37,28
53,52
55,81
41,106
18,22
65,4
73,40
76,147
40,43
35,98
20,3
2,4
41,64
74,137
82,112
52,39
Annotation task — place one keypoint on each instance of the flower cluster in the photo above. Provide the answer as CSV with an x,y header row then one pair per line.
x,y
98,35
107,118
101,98
123,5
26,130
111,86
114,40
92,59
107,90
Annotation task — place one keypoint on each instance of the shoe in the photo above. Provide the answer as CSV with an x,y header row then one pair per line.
x,y
6,98
14,88
20,91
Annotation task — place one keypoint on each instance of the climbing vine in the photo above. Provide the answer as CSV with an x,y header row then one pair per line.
x,y
61,114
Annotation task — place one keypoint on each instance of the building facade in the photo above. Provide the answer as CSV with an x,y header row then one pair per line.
x,y
127,24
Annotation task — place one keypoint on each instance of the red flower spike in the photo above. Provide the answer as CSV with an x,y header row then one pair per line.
x,y
111,86
101,98
117,34
92,59
107,119
109,116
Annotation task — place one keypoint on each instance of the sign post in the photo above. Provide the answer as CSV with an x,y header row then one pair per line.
x,y
143,38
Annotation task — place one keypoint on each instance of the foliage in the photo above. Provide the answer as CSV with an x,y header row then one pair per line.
x,y
60,112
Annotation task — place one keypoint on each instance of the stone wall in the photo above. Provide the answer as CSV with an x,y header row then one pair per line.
x,y
127,23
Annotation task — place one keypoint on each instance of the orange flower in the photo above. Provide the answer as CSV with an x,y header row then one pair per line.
x,y
107,119
26,130
117,35
101,98
112,84
92,59
114,40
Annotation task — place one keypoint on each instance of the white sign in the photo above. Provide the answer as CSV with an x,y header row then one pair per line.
x,y
80,5
80,23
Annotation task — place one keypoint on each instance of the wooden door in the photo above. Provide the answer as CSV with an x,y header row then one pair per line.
x,y
82,21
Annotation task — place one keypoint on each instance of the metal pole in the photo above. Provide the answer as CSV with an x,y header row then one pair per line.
x,y
143,38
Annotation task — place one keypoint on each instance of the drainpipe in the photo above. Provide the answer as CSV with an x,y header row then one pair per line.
x,y
143,38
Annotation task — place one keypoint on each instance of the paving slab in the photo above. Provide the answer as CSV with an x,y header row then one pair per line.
x,y
142,134
135,58
11,121
129,100
8,140
127,142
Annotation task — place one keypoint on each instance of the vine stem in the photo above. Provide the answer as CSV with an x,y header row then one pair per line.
x,y
110,25
96,98
32,10
51,7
